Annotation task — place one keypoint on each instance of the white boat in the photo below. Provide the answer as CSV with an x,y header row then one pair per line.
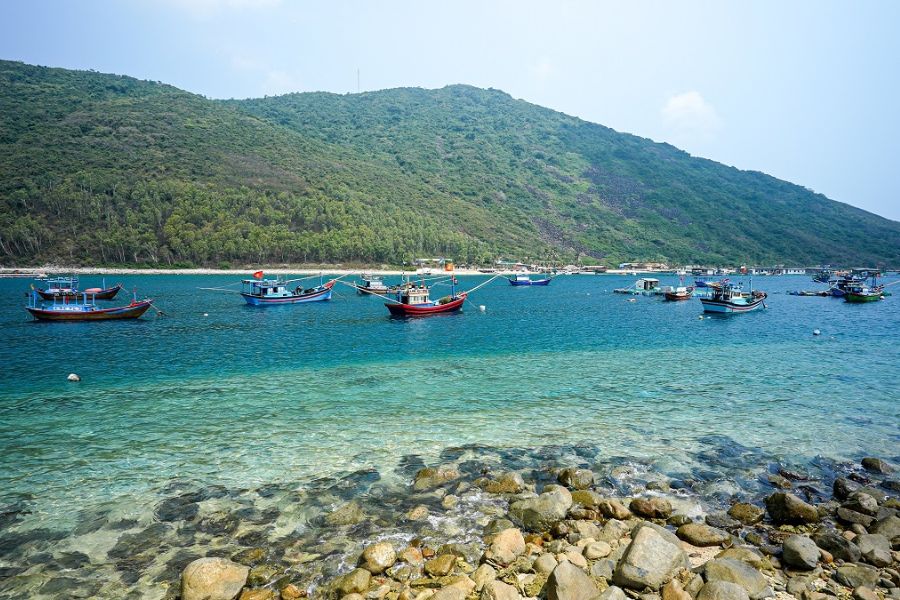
x,y
648,286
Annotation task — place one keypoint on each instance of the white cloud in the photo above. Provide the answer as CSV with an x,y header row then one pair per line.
x,y
690,119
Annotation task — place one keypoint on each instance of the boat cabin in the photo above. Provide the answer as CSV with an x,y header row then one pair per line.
x,y
648,284
522,277
62,285
414,295
373,284
266,288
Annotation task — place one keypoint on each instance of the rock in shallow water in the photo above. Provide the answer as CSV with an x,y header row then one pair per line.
x,y
213,579
576,479
877,465
538,514
785,507
354,582
429,478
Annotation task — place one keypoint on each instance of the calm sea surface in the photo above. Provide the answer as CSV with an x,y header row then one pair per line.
x,y
218,393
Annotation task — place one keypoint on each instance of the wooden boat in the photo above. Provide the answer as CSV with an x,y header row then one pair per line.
x,y
271,292
374,285
84,309
520,279
859,293
414,301
67,287
678,294
727,298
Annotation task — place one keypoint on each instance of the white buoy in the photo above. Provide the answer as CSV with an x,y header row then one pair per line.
x,y
632,300
482,307
816,332
700,318
73,377
205,314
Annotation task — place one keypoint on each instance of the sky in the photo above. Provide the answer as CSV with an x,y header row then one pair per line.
x,y
806,91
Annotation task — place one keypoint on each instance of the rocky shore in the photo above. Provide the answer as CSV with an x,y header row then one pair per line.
x,y
560,535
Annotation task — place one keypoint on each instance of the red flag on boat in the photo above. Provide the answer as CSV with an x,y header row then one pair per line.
x,y
258,275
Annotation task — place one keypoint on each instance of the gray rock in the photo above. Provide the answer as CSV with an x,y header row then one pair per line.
x,y
613,593
603,568
875,549
785,507
497,590
740,573
651,508
613,509
800,552
213,579
848,516
843,487
376,558
650,560
747,554
836,545
748,514
596,550
668,535
509,482
854,576
350,513
483,575
889,527
864,593
877,465
538,514
863,503
568,582
577,479
699,534
722,590
613,530
722,521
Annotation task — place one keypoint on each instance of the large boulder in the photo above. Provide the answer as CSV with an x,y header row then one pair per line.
x,y
651,508
785,507
538,514
699,534
837,545
650,560
213,579
800,552
576,479
505,547
722,590
740,573
429,478
875,549
377,558
854,576
568,582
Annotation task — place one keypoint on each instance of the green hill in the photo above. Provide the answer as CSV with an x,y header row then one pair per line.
x,y
104,169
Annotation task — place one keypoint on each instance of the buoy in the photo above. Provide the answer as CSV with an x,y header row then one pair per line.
x,y
632,299
700,318
816,332
482,307
73,377
205,314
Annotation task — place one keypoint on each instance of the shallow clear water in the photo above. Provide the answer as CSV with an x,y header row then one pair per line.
x,y
246,397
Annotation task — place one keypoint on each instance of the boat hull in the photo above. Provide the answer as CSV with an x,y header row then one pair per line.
x,y
513,282
318,296
861,298
106,294
417,310
725,307
677,297
133,311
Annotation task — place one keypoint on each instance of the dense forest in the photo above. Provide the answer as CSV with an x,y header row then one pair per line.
x,y
100,169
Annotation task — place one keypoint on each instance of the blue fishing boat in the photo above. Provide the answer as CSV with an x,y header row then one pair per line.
x,y
728,298
524,279
269,292
700,283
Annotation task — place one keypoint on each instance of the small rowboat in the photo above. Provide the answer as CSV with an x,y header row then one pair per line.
x,y
85,311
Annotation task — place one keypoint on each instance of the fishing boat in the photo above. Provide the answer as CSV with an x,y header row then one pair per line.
x,y
700,283
647,286
520,279
67,287
728,298
840,286
860,292
678,294
64,308
414,301
374,285
268,292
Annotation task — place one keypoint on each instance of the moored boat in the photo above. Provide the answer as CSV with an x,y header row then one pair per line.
x,y
374,285
860,292
414,301
270,292
84,309
520,279
67,287
728,298
648,286
678,294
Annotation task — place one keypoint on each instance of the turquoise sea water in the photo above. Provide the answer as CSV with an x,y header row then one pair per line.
x,y
216,393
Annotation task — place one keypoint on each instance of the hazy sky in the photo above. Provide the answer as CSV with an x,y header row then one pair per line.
x,y
805,91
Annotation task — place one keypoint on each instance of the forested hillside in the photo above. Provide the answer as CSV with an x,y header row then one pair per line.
x,y
104,169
